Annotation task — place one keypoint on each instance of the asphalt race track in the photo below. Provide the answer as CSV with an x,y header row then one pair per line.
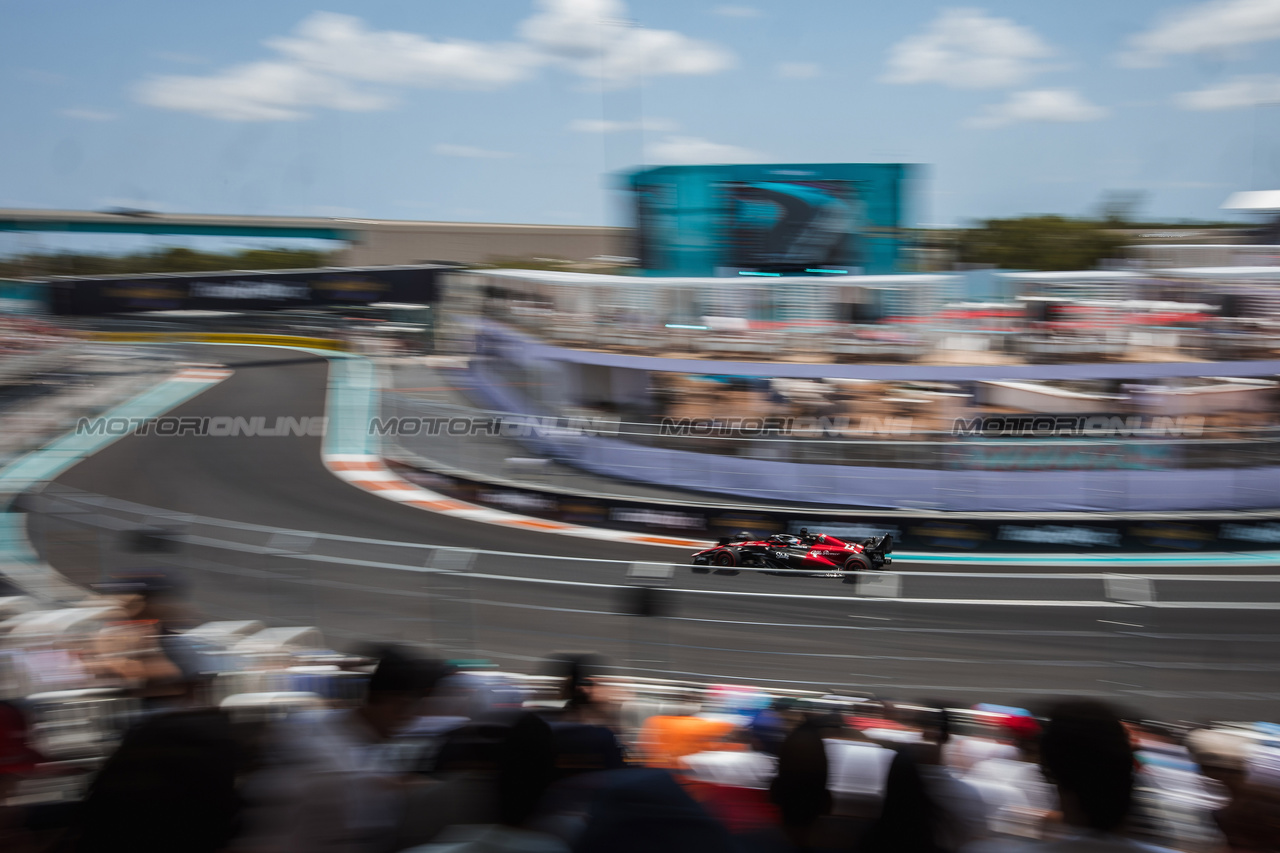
x,y
1202,648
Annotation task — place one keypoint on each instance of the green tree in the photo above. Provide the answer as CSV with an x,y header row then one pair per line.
x,y
170,260
1039,243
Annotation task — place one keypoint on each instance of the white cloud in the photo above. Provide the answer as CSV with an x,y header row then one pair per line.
x,y
1213,26
595,40
318,65
968,49
88,115
259,91
596,125
1236,93
447,150
692,149
737,11
798,70
1058,105
342,46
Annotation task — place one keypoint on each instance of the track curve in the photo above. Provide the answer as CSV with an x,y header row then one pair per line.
x,y
804,633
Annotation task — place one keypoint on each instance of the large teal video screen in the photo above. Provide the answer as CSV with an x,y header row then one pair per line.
x,y
787,219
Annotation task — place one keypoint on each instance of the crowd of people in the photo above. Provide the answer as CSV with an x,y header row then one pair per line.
x,y
430,758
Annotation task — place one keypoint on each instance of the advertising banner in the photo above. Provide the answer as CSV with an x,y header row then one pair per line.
x,y
244,291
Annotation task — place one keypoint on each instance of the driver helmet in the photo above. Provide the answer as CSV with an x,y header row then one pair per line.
x,y
743,536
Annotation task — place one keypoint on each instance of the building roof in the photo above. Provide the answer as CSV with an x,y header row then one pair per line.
x,y
1253,200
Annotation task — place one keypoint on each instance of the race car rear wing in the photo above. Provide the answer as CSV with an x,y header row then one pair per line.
x,y
878,548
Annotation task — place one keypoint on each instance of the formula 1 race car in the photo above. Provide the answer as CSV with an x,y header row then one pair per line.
x,y
808,555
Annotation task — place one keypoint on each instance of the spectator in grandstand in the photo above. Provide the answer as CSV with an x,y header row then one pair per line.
x,y
647,810
878,720
1004,739
767,731
586,728
963,816
17,761
1251,821
127,654
666,739
1013,785
171,785
800,788
859,769
457,701
515,772
586,698
1249,817
152,652
332,783
1222,757
1086,753
1174,803
911,820
731,779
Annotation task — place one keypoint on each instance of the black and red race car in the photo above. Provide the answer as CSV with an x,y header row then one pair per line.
x,y
809,555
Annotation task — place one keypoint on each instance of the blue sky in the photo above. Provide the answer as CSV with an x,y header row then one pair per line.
x,y
516,110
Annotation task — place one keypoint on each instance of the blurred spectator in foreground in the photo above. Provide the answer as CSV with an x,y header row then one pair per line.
x,y
18,761
171,786
1086,753
911,820
964,815
1251,821
518,775
1250,816
800,788
666,740
586,728
731,779
1012,784
964,752
647,811
1174,804
926,809
151,652
334,783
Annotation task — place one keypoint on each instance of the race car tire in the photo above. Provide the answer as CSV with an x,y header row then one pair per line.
x,y
852,567
724,562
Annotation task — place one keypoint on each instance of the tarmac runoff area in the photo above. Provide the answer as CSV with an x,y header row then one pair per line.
x,y
267,531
